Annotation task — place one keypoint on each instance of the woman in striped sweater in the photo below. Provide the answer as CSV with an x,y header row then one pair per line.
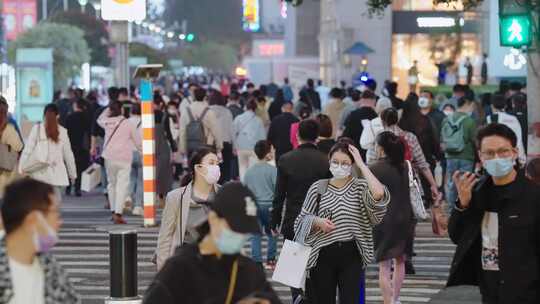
x,y
337,219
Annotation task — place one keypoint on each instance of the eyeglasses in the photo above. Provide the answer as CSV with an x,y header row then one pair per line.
x,y
502,153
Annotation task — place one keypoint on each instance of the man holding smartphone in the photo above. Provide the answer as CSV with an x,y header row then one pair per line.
x,y
496,224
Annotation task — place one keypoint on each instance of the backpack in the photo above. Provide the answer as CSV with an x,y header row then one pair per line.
x,y
195,136
453,134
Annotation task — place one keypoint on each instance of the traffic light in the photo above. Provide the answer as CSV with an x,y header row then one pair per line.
x,y
190,37
515,30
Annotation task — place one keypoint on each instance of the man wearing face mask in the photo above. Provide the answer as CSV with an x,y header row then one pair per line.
x,y
425,102
29,274
457,140
213,270
496,224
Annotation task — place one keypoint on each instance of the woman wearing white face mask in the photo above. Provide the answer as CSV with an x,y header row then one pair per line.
x,y
187,207
339,214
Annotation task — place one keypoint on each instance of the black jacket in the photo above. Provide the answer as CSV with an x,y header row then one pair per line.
x,y
191,278
296,172
279,133
354,127
519,240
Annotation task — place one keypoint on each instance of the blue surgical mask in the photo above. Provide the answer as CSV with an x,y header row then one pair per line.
x,y
230,242
499,167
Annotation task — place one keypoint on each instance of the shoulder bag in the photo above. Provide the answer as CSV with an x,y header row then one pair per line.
x,y
416,195
8,157
39,157
100,159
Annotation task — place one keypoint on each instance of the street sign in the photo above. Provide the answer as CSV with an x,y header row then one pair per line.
x,y
515,30
123,10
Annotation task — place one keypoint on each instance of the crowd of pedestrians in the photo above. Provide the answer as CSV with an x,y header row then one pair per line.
x,y
333,172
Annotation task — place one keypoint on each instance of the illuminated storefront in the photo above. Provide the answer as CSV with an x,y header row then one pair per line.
x,y
434,35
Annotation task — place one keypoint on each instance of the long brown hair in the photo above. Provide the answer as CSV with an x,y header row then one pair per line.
x,y
51,122
3,114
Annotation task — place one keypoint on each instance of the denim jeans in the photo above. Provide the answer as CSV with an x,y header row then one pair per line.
x,y
263,213
453,165
136,180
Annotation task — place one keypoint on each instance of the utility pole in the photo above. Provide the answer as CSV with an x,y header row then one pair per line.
x,y
66,6
329,43
43,9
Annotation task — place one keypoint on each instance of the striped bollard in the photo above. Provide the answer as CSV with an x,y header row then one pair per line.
x,y
148,153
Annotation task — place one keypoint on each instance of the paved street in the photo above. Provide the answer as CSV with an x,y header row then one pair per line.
x,y
83,251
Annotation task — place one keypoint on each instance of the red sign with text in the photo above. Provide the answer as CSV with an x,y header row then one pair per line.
x,y
19,16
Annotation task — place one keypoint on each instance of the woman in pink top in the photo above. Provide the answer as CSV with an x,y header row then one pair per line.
x,y
305,113
121,139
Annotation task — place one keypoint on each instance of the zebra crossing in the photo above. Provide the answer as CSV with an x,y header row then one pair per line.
x,y
83,251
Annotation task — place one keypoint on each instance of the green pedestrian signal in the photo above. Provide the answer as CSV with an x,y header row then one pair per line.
x,y
515,30
190,37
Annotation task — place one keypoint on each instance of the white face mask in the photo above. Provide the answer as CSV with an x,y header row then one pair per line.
x,y
213,173
448,113
340,171
171,112
423,102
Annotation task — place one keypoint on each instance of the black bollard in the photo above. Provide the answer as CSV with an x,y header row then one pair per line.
x,y
123,266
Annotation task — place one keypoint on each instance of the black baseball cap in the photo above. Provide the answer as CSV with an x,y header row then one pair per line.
x,y
236,203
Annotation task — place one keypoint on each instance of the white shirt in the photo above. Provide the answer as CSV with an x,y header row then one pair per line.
x,y
28,282
490,241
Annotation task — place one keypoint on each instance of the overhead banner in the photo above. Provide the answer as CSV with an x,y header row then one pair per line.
x,y
19,16
123,10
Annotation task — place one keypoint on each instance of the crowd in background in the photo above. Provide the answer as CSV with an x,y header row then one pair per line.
x,y
336,160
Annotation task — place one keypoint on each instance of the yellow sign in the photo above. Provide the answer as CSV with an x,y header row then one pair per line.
x,y
127,10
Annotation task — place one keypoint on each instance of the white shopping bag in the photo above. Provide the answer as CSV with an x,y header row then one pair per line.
x,y
90,178
291,265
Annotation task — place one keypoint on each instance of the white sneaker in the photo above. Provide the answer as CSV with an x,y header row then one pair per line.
x,y
137,211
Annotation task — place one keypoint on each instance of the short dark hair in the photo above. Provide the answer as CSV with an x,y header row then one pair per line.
x,y
136,108
81,103
336,93
123,91
286,80
192,84
250,85
308,130
516,86
496,129
262,148
429,93
216,98
342,146
19,202
498,101
459,88
199,94
462,101
367,94
310,83
355,95
325,125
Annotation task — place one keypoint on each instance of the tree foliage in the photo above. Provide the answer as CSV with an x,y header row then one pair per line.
x,y
95,34
217,20
70,50
215,56
137,49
